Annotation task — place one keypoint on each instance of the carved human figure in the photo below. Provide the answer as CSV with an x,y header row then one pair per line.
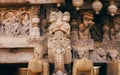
x,y
106,33
11,24
85,26
117,27
25,24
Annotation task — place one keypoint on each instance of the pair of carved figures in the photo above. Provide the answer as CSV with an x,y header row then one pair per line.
x,y
59,50
114,31
14,22
103,55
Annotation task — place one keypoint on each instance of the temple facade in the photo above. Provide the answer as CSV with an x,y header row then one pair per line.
x,y
59,37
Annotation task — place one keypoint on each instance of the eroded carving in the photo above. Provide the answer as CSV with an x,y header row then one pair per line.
x,y
101,55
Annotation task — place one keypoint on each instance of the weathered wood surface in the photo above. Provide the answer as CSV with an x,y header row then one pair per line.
x,y
15,55
15,42
30,1
113,67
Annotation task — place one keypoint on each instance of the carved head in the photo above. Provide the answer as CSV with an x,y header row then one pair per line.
x,y
53,17
59,16
87,19
105,28
112,31
117,23
66,16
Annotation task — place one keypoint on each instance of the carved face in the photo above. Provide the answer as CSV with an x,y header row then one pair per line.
x,y
66,16
52,17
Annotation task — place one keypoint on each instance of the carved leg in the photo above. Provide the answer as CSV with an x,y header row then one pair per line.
x,y
45,68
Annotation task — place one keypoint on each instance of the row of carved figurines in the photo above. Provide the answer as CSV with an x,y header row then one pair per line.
x,y
82,31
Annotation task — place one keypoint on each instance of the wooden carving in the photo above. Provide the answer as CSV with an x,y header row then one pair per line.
x,y
115,31
37,64
101,55
15,21
106,33
82,66
59,50
85,26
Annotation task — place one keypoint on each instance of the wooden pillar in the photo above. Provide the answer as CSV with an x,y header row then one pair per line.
x,y
113,67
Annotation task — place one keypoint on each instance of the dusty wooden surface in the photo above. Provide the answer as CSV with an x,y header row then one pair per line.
x,y
14,42
15,55
30,1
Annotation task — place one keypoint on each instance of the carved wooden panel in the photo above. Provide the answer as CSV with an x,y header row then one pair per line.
x,y
15,21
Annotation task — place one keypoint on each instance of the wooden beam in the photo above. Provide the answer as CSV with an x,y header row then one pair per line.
x,y
15,55
30,1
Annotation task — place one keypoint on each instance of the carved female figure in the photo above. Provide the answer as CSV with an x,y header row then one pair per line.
x,y
25,24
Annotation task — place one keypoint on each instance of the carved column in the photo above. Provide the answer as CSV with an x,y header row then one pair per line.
x,y
59,50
